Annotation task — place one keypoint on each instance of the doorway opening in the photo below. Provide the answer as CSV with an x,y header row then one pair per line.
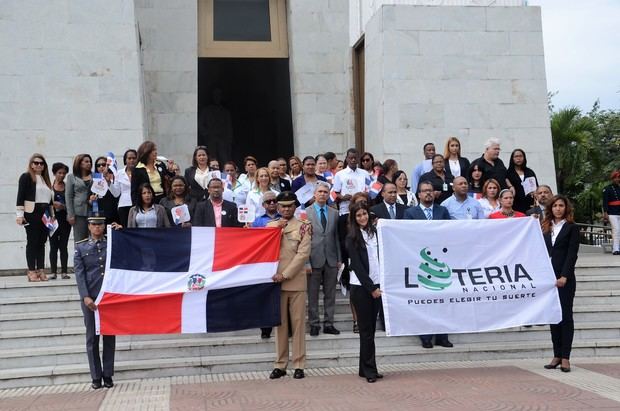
x,y
244,108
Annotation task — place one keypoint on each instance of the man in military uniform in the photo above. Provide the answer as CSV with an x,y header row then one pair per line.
x,y
291,274
89,262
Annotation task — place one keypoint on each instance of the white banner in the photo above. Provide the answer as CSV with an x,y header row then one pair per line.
x,y
462,276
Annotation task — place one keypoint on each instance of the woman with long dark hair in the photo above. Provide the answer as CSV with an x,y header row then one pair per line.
x,y
562,239
367,161
78,196
404,195
34,196
147,214
475,181
517,174
363,252
60,239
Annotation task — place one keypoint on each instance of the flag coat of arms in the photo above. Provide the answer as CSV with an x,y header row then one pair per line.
x,y
202,279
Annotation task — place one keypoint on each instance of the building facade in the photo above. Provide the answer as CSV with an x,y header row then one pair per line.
x,y
269,78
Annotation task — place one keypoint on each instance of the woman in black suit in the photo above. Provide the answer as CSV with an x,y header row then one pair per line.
x,y
197,175
361,244
517,172
562,238
455,164
150,171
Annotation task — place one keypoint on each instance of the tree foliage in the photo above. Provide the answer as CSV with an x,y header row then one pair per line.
x,y
586,148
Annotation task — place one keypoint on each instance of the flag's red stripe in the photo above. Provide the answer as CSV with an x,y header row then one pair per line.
x,y
237,246
126,314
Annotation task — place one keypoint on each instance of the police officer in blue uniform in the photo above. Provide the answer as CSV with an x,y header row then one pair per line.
x,y
89,262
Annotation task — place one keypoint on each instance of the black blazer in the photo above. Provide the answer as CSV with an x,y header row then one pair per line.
x,y
140,176
359,264
195,190
284,185
535,210
381,211
522,202
463,163
416,213
205,217
564,252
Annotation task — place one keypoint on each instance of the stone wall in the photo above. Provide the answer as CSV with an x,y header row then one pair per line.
x,y
471,72
70,80
320,65
168,33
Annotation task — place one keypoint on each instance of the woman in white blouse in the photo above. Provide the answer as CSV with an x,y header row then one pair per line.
x,y
123,179
404,195
34,197
255,195
490,197
361,244
197,176
457,165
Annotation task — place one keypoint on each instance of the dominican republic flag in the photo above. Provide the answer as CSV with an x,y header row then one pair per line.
x,y
174,280
49,222
375,189
112,164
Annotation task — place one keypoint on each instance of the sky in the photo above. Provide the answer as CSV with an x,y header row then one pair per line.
x,y
582,51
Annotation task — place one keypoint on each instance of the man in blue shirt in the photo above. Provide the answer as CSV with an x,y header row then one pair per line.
x,y
271,210
424,167
460,205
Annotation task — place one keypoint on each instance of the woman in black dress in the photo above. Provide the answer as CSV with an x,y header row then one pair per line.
x,y
562,239
516,175
361,244
60,239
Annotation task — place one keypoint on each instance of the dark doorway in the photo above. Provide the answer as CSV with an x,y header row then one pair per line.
x,y
244,108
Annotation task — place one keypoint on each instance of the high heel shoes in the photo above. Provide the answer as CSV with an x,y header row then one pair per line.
x,y
567,368
553,365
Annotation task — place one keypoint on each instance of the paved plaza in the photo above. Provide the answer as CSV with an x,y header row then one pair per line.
x,y
482,385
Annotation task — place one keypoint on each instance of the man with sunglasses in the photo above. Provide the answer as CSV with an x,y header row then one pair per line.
x,y
271,210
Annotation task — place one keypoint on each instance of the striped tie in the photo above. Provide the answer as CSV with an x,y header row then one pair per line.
x,y
429,213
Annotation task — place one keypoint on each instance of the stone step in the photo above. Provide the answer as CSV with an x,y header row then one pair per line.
x,y
31,354
201,364
73,318
66,302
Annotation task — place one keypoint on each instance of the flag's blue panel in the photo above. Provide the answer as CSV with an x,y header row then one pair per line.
x,y
240,308
151,249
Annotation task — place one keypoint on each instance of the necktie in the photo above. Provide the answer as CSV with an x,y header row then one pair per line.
x,y
392,212
429,213
323,219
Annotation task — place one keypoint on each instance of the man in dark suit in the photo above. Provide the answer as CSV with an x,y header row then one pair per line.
x,y
543,195
325,259
389,208
277,183
215,211
426,210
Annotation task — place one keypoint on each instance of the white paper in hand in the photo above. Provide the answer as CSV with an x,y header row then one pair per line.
x,y
529,185
305,193
100,185
246,214
180,214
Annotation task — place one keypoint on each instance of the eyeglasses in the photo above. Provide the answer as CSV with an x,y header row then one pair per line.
x,y
38,163
101,165
365,160
270,201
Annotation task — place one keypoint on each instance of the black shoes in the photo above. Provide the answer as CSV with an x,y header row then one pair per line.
x,y
330,329
616,253
314,330
277,373
552,366
444,343
299,374
107,382
96,384
265,335
356,329
427,344
371,379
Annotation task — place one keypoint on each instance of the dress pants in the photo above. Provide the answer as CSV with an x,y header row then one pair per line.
x,y
562,333
58,243
92,348
367,309
328,276
36,236
293,307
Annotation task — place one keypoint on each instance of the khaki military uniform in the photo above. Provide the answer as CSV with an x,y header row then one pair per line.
x,y
294,253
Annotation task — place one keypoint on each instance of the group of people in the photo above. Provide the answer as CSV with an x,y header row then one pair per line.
x,y
327,210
